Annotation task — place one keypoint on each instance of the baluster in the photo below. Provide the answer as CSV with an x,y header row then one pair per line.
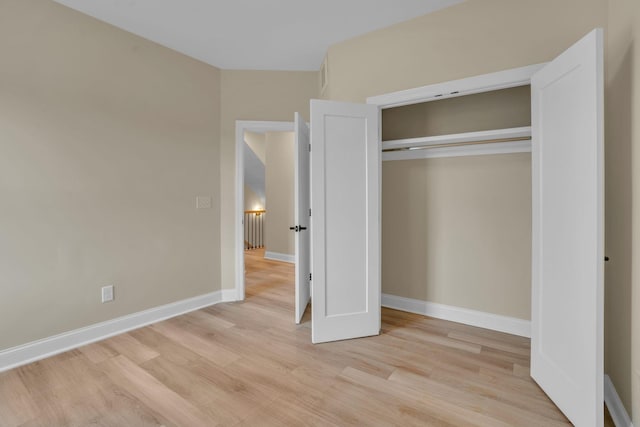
x,y
254,229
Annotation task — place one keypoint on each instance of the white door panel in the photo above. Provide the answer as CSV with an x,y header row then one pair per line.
x,y
301,216
568,218
345,199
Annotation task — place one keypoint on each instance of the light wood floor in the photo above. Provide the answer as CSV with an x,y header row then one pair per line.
x,y
248,364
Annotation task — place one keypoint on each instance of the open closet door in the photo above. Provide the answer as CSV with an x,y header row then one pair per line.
x,y
301,216
345,202
567,251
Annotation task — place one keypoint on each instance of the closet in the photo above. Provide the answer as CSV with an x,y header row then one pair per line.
x,y
456,207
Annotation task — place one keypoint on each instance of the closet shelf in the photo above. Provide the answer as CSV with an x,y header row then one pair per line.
x,y
487,136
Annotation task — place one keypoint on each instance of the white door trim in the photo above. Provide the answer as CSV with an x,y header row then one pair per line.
x,y
241,127
475,84
302,215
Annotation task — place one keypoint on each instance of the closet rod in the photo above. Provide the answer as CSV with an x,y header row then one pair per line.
x,y
458,144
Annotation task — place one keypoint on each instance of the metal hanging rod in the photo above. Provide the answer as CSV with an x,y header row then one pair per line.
x,y
457,144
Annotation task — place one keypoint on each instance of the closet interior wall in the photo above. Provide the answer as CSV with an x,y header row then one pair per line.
x,y
457,230
499,109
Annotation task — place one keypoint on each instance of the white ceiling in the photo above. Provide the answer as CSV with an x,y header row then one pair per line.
x,y
254,34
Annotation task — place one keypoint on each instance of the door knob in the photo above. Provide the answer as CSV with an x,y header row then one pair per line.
x,y
302,228
294,228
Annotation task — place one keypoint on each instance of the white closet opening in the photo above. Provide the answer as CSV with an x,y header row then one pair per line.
x,y
456,207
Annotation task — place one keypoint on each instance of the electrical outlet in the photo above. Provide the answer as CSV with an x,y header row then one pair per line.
x,y
107,293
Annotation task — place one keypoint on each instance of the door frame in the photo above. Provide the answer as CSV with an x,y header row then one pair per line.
x,y
241,127
471,85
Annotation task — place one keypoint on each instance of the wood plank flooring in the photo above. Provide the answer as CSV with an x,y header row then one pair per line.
x,y
248,364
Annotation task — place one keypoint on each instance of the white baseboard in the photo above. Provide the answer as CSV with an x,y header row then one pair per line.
x,y
510,325
47,347
614,404
275,256
229,295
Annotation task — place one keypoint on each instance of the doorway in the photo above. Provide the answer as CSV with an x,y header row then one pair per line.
x,y
261,240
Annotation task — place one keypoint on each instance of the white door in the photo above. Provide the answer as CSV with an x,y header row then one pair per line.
x,y
301,216
345,235
567,251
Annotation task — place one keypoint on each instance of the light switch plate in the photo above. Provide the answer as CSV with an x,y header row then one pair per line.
x,y
107,293
203,202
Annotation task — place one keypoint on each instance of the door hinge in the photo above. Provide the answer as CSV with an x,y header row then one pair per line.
x,y
309,147
309,276
309,211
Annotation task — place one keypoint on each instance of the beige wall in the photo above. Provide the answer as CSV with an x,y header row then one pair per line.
x,y
256,142
474,37
621,55
253,95
622,275
633,54
252,202
106,141
279,189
